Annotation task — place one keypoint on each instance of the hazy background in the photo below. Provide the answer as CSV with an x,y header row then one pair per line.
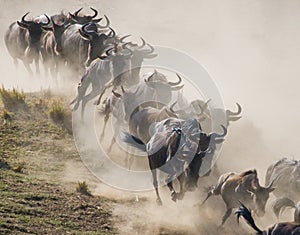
x,y
250,48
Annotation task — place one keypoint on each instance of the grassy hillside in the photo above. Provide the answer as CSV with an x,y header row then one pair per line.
x,y
35,141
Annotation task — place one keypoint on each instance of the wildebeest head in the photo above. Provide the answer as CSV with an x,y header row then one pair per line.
x,y
59,25
206,145
157,80
97,41
34,29
83,19
139,53
260,196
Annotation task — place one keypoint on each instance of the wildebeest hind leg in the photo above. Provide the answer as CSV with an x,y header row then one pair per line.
x,y
173,193
155,184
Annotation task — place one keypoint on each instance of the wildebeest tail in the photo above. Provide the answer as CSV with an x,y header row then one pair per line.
x,y
133,141
280,204
244,212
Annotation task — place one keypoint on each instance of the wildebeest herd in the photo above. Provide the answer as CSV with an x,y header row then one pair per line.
x,y
176,140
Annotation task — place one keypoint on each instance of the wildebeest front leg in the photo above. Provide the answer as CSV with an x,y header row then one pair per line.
x,y
113,141
104,126
173,193
181,179
27,66
155,184
226,215
37,65
86,99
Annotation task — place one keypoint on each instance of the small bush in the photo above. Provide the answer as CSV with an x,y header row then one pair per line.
x,y
57,112
12,99
19,168
83,188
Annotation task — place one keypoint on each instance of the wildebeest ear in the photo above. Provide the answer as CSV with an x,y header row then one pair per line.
x,y
47,28
23,25
151,56
271,190
97,20
219,141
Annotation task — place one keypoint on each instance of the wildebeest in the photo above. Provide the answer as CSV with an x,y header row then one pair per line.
x,y
281,203
138,55
99,73
243,187
83,42
51,44
287,173
23,41
283,228
174,145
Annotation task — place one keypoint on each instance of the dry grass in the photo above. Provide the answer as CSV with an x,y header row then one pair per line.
x,y
57,112
83,188
12,99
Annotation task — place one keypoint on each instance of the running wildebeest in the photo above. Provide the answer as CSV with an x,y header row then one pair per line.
x,y
99,73
287,172
23,41
283,228
173,147
79,45
242,187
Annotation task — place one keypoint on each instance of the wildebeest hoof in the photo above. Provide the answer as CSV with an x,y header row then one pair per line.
x,y
158,202
179,196
174,196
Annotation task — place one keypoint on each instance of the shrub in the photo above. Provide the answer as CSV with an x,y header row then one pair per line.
x,y
19,168
83,188
57,112
6,116
12,99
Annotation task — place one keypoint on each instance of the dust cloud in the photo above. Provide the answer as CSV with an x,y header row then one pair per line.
x,y
251,49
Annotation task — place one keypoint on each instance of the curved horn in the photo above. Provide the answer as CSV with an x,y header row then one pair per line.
x,y
151,49
228,112
48,19
273,180
23,18
150,77
95,12
76,12
172,107
221,135
116,94
125,48
112,33
177,88
123,90
122,38
176,83
109,51
143,43
107,23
